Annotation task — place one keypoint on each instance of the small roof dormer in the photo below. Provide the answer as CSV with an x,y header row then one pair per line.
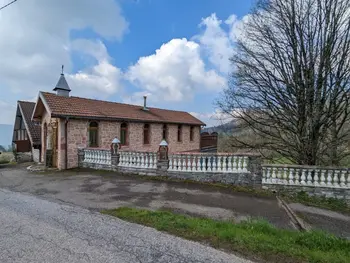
x,y
62,87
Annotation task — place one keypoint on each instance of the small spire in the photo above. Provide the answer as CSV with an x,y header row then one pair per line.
x,y
62,87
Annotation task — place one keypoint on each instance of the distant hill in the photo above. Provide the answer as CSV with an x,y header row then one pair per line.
x,y
6,131
223,128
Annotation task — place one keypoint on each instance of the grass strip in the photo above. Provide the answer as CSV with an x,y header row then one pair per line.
x,y
255,239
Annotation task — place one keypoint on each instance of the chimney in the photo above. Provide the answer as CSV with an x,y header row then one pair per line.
x,y
145,103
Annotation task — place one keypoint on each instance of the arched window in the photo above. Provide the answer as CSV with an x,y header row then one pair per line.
x,y
179,133
165,132
124,133
191,133
93,134
146,134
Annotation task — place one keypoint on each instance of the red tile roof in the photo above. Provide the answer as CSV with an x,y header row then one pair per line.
x,y
89,108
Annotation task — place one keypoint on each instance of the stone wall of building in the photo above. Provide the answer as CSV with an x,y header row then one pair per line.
x,y
78,136
45,119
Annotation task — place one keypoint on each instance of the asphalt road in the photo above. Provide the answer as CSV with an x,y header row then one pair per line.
x,y
37,230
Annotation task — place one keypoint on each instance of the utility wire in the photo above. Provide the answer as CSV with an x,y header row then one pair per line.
x,y
8,4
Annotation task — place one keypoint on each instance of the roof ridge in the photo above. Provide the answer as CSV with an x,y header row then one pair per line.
x,y
121,103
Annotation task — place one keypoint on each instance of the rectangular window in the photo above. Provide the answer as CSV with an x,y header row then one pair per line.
x,y
123,134
146,134
93,134
93,138
191,133
179,133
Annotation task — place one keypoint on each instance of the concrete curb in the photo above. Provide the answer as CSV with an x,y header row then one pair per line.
x,y
298,223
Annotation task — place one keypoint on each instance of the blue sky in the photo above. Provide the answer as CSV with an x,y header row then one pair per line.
x,y
110,51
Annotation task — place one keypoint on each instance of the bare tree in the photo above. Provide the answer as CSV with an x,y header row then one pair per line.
x,y
291,79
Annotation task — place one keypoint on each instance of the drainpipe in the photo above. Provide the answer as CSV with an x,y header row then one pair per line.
x,y
66,146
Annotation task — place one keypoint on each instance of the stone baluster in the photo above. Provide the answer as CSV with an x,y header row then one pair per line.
x,y
215,164
273,175
316,177
279,176
194,163
123,157
91,159
103,157
109,158
342,178
285,175
188,163
309,177
245,164
323,178
149,160
199,163
234,164
239,164
98,156
86,156
210,164
93,155
154,160
336,178
129,159
290,176
219,163
229,163
297,176
303,177
329,177
142,160
171,164
268,175
136,159
176,165
106,157
182,162
348,181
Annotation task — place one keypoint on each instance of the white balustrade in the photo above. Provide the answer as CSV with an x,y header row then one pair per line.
x,y
306,176
97,156
144,160
201,162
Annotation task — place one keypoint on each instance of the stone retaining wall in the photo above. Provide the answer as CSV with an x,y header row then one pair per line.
x,y
337,193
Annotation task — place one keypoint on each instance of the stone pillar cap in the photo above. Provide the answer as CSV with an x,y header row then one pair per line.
x,y
115,140
163,143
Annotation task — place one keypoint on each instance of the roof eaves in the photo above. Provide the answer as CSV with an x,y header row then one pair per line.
x,y
46,105
25,122
55,115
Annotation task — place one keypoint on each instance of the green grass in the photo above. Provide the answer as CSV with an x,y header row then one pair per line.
x,y
5,157
321,202
253,239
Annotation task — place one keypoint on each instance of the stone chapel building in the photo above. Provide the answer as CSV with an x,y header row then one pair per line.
x,y
69,123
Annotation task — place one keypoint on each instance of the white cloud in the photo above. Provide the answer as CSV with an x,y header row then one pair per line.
x,y
100,80
36,40
175,72
216,43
